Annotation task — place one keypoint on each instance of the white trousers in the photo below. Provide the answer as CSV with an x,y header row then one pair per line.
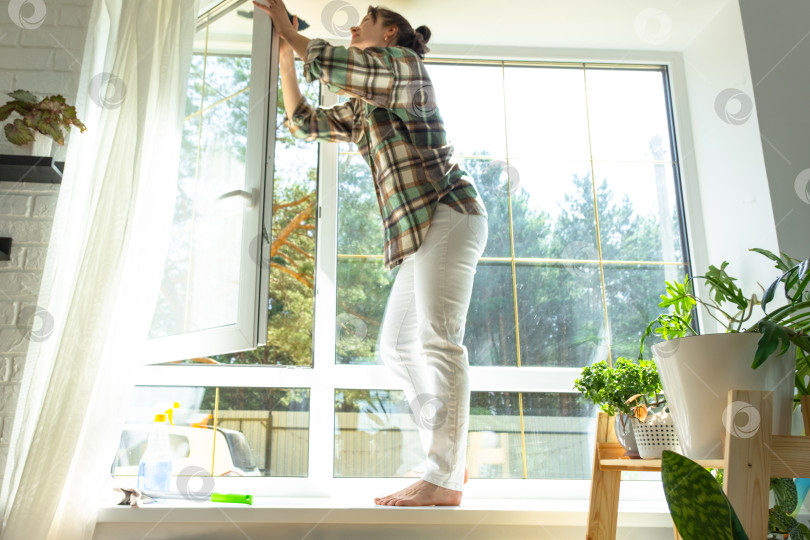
x,y
422,333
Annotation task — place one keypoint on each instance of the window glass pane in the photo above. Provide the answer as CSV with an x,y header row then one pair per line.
x,y
546,115
201,279
557,436
292,250
552,210
259,431
363,283
490,331
226,74
362,293
627,111
275,424
462,89
375,435
561,315
638,217
291,303
360,230
492,179
633,294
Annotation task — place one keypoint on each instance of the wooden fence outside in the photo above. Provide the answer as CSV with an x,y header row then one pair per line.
x,y
370,446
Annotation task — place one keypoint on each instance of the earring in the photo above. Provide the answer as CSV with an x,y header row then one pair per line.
x,y
386,38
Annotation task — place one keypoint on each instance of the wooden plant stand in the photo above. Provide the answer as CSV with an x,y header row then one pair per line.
x,y
749,463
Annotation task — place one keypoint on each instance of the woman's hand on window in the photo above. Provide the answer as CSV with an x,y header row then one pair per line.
x,y
278,13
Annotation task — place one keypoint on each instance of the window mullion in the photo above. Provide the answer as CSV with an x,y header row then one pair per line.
x,y
322,397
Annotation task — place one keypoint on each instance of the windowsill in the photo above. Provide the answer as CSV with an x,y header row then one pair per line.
x,y
328,518
327,511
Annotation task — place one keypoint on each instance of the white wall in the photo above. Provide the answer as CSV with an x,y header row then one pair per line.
x,y
777,36
45,59
728,200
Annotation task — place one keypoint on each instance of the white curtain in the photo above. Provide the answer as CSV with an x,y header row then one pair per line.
x,y
105,260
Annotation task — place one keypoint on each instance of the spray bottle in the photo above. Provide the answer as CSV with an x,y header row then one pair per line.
x,y
155,468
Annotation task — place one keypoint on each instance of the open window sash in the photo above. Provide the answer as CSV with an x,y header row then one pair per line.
x,y
213,295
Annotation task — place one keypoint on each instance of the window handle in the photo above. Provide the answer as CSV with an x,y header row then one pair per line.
x,y
251,197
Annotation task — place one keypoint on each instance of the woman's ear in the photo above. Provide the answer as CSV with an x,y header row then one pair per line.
x,y
391,33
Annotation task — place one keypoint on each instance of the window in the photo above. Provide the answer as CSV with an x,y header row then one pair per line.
x,y
578,169
208,300
571,273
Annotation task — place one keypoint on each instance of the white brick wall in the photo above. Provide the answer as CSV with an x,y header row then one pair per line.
x,y
44,60
26,215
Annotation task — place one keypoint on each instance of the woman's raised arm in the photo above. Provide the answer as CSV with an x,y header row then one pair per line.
x,y
289,79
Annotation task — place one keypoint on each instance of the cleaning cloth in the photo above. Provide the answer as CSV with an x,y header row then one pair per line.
x,y
133,497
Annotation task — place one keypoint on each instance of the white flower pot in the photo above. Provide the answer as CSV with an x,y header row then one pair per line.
x,y
697,372
42,145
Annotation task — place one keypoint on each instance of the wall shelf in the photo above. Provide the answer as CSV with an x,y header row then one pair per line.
x,y
39,169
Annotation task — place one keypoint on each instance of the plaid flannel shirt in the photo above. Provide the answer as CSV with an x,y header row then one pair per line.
x,y
393,119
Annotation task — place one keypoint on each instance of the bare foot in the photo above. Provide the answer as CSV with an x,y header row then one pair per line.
x,y
421,493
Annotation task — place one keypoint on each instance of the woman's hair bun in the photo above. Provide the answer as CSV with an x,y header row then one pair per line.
x,y
406,36
424,31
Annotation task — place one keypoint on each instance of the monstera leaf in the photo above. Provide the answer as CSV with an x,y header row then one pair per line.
x,y
696,501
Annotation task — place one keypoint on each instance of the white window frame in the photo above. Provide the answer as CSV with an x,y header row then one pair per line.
x,y
250,328
325,376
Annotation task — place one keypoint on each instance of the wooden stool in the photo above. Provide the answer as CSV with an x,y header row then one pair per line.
x,y
749,463
608,464
752,461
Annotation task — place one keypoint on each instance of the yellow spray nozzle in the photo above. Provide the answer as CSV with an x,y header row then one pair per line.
x,y
170,411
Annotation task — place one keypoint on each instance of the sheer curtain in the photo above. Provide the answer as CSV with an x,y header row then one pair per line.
x,y
104,264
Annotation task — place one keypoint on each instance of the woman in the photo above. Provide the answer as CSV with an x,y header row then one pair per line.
x,y
434,220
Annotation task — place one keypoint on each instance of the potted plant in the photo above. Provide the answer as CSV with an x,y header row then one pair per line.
x,y
38,118
698,370
612,389
700,508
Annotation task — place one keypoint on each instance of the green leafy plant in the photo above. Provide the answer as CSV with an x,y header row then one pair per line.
x,y
698,506
732,308
782,521
788,496
47,116
610,388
